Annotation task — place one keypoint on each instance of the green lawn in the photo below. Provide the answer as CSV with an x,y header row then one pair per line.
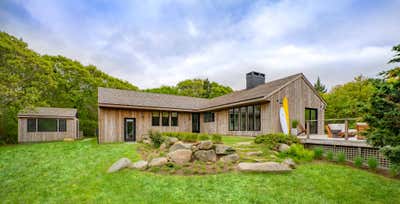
x,y
76,172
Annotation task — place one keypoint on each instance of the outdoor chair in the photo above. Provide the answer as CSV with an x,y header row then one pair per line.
x,y
361,127
302,129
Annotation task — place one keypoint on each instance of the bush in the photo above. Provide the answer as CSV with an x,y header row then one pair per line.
x,y
156,138
298,153
215,138
295,123
394,169
341,157
272,140
318,152
372,163
358,162
329,155
203,137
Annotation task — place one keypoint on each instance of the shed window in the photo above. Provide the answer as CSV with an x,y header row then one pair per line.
x,y
155,118
243,118
236,119
231,119
250,115
174,118
257,117
209,117
32,125
47,125
165,119
62,125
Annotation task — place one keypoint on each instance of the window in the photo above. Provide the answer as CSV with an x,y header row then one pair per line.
x,y
208,117
165,119
62,125
257,117
236,119
174,119
231,119
32,125
243,118
155,118
250,111
47,125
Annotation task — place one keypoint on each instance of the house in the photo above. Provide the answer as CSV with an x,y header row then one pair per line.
x,y
47,124
129,115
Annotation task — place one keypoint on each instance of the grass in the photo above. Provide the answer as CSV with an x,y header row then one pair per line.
x,y
230,140
75,172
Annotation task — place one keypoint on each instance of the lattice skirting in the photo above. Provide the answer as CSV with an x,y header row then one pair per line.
x,y
352,152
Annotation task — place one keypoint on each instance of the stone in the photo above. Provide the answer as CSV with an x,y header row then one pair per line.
x,y
230,158
160,161
274,167
289,162
180,156
120,164
221,149
205,145
163,147
147,141
180,145
141,165
206,155
257,153
283,147
170,141
243,143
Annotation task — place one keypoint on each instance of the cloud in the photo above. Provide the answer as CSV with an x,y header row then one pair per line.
x,y
162,42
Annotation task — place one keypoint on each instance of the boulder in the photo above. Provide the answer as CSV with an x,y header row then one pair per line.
x,y
146,141
221,149
205,145
206,155
257,153
180,156
230,158
263,167
283,147
289,162
170,141
139,165
120,164
180,145
161,161
163,147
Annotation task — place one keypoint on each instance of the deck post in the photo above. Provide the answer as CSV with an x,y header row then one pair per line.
x,y
308,130
346,129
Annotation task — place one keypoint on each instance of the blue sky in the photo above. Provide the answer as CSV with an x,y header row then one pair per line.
x,y
153,43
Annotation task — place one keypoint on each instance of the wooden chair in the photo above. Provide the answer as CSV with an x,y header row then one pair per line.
x,y
329,131
361,127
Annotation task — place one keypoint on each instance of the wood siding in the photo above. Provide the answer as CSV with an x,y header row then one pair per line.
x,y
111,124
25,136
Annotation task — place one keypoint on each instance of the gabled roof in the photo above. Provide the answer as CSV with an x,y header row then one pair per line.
x,y
133,99
48,112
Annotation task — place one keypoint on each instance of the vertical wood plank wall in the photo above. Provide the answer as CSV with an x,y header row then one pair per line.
x,y
25,136
300,96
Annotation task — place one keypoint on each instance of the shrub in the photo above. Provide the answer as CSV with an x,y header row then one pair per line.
x,y
341,157
215,138
318,152
298,153
203,137
156,138
295,123
372,163
329,155
394,169
272,140
190,137
358,162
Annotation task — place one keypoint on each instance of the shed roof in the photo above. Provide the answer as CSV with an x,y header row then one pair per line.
x,y
48,112
115,98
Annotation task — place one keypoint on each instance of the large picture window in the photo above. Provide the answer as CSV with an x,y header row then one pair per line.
x,y
32,125
208,117
243,118
155,118
165,118
47,125
174,119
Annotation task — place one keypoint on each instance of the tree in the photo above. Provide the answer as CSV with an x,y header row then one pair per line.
x,y
320,87
384,114
396,57
349,100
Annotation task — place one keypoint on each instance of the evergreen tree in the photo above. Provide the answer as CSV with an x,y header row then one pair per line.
x,y
320,87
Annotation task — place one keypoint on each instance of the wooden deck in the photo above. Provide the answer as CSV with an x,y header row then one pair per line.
x,y
325,140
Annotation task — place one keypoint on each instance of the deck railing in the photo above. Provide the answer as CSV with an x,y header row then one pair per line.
x,y
346,121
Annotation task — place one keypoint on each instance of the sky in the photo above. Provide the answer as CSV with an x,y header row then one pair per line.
x,y
153,43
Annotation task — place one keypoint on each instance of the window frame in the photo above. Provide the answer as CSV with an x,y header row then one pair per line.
x,y
40,121
153,120
162,119
209,117
257,118
59,125
28,126
243,120
174,119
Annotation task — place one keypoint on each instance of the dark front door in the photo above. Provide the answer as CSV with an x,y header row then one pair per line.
x,y
311,115
130,129
195,122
